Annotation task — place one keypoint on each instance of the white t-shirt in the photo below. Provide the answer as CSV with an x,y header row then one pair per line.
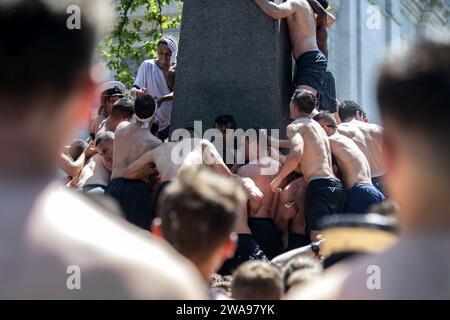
x,y
151,77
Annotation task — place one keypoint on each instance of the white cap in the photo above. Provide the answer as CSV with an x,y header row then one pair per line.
x,y
110,85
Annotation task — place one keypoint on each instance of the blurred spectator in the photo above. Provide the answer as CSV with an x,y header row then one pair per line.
x,y
257,280
197,214
54,244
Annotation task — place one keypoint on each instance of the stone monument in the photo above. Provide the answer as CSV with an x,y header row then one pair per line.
x,y
234,60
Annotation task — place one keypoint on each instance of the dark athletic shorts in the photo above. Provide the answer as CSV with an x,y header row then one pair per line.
x,y
247,249
323,197
267,236
327,95
310,70
159,193
361,197
134,199
297,241
378,183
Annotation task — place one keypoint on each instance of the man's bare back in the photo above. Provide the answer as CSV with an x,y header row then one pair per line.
x,y
301,21
351,160
93,173
311,64
302,29
253,171
131,142
369,139
172,157
316,159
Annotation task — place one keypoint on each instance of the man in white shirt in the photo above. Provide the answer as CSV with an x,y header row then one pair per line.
x,y
155,77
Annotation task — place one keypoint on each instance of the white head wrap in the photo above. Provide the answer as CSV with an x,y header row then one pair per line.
x,y
173,46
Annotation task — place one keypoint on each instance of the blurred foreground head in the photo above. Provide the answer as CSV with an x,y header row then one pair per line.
x,y
257,280
197,215
414,98
46,85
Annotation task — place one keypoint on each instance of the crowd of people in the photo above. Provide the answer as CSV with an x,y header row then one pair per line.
x,y
145,215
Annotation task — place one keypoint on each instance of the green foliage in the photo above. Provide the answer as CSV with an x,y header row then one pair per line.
x,y
134,37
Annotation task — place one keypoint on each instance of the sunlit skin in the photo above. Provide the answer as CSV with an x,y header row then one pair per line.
x,y
302,25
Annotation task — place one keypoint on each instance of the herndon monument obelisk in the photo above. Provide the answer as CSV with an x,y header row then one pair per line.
x,y
234,60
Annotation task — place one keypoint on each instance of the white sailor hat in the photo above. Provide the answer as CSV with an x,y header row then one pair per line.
x,y
111,88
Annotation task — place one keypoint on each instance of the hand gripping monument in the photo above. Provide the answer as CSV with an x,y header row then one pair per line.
x,y
234,60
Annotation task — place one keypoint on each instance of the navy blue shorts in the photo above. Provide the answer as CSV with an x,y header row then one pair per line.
x,y
159,194
134,199
310,70
323,197
361,197
297,241
378,183
267,236
327,96
247,249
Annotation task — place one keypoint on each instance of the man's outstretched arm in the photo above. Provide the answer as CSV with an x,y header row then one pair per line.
x,y
321,12
278,11
212,158
324,18
138,168
292,161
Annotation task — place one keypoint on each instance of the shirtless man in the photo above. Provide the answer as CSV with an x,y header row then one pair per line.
x,y
311,63
310,149
368,137
172,158
95,176
71,161
201,152
261,221
354,167
130,143
188,153
122,110
54,244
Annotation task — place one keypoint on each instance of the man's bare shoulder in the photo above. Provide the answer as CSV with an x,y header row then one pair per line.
x,y
375,128
123,128
296,126
111,254
340,139
369,129
347,129
301,3
302,6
